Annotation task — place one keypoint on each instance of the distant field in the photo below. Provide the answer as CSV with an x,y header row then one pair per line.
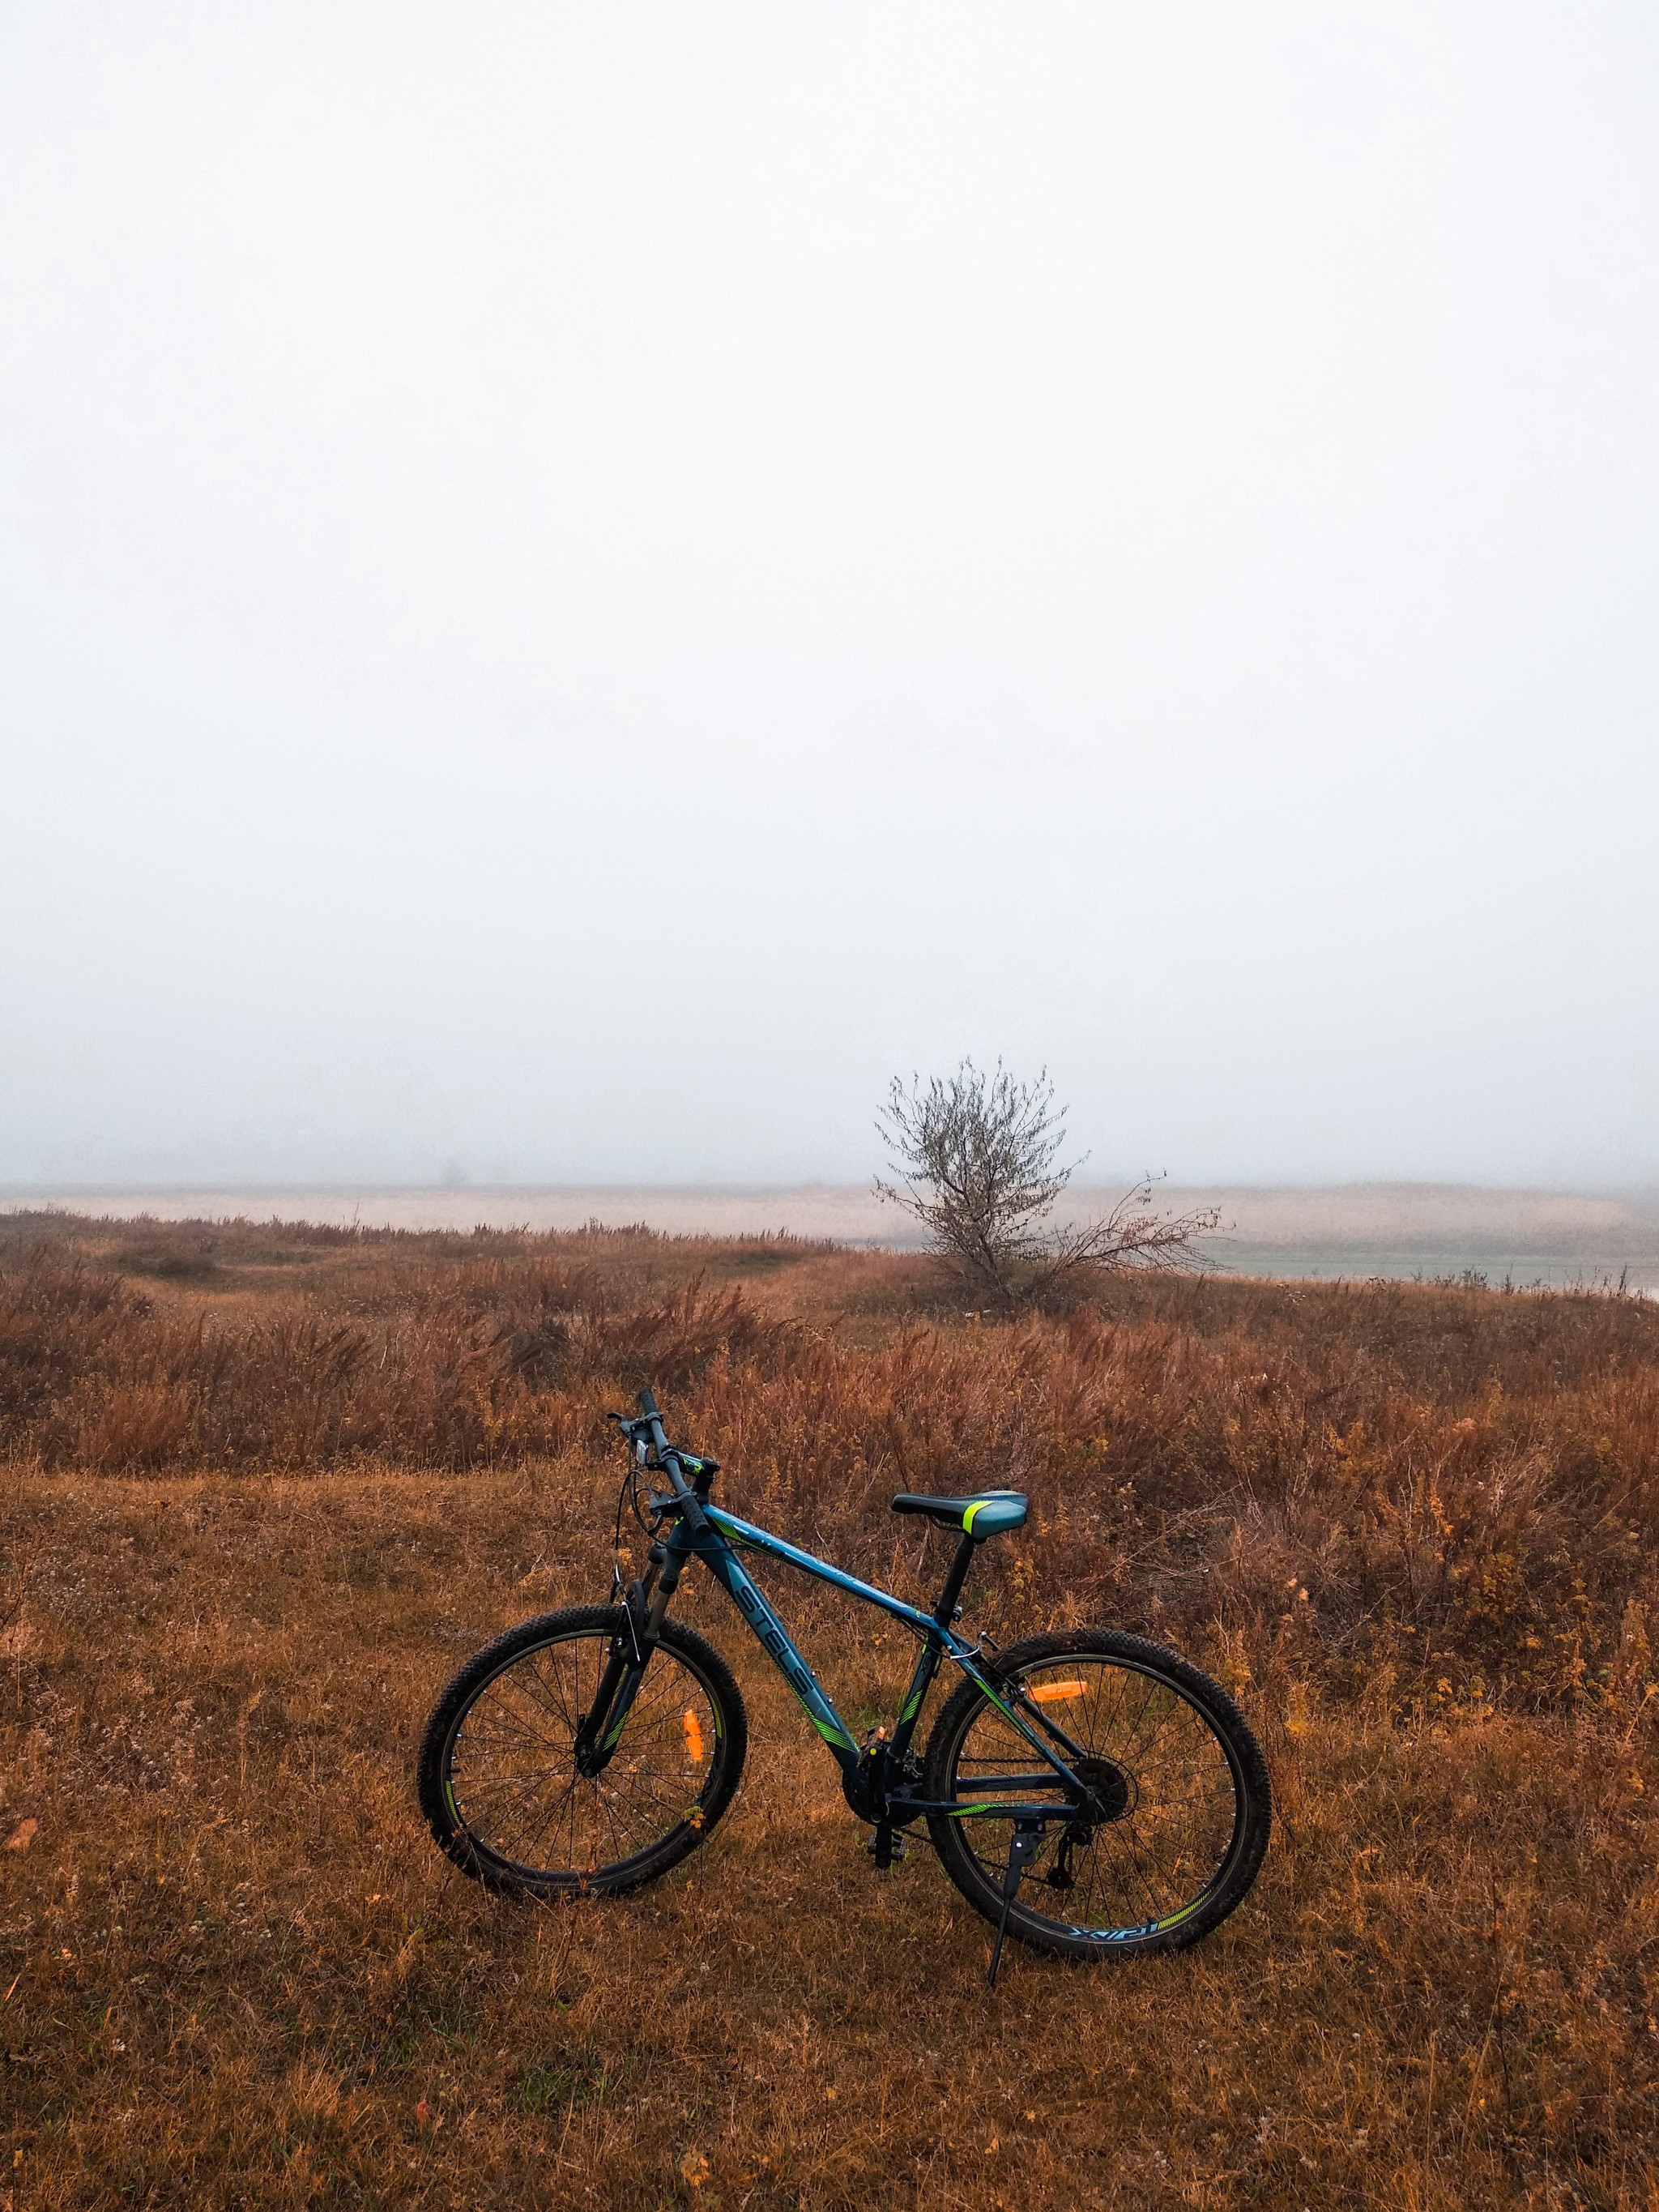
x,y
261,1489
1354,1231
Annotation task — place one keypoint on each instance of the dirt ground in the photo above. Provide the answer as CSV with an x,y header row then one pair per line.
x,y
233,1970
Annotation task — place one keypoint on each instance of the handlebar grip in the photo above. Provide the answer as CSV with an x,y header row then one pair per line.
x,y
648,1405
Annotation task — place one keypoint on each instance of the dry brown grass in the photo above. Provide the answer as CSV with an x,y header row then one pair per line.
x,y
232,1970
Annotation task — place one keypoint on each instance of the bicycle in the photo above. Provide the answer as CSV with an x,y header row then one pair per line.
x,y
1088,1791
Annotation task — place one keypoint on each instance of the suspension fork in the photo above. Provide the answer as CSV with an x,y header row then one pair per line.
x,y
599,1730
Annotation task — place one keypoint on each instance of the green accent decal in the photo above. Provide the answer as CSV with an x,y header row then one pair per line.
x,y
722,1522
1185,1913
913,1705
968,1517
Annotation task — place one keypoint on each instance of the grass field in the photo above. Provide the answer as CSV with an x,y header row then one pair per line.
x,y
264,1487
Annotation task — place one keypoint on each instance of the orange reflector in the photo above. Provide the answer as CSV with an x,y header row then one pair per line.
x,y
693,1737
1050,1693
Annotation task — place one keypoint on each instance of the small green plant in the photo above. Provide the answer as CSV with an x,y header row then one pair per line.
x,y
547,2088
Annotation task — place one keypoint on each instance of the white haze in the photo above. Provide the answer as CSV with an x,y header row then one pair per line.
x,y
580,585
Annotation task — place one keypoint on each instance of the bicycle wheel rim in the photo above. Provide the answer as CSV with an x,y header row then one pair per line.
x,y
510,1777
1164,1765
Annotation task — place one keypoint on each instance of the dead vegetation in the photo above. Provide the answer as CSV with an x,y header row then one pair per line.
x,y
263,1488
975,1158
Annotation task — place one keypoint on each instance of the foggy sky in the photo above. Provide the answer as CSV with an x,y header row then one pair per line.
x,y
579,587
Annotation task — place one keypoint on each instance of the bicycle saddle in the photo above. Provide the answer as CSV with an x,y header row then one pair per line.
x,y
985,1513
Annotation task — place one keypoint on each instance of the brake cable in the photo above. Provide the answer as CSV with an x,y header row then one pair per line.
x,y
628,1498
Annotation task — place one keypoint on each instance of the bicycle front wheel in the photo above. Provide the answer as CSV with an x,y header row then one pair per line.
x,y
498,1777
1184,1788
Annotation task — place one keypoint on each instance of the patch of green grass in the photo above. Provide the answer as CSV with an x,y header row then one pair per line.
x,y
578,2082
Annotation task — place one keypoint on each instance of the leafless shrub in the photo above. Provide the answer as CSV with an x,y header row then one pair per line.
x,y
976,1159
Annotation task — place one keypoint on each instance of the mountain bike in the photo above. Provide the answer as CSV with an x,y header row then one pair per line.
x,y
1088,1791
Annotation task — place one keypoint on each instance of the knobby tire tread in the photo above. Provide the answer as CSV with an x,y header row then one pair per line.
x,y
463,1688
1252,1786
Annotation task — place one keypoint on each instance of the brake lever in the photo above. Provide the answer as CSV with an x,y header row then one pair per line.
x,y
637,1446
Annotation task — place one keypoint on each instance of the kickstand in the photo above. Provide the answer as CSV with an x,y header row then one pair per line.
x,y
1023,1847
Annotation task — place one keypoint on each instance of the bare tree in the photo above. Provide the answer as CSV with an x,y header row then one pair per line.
x,y
975,1157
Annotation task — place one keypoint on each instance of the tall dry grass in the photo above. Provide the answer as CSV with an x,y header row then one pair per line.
x,y
1458,1488
264,1487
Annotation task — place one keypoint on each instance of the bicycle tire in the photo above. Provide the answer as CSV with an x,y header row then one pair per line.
x,y
521,1695
1118,1860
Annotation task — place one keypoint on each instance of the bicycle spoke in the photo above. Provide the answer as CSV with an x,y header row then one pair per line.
x,y
512,1762
1146,1741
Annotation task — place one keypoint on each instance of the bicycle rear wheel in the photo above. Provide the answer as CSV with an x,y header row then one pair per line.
x,y
1188,1805
498,1779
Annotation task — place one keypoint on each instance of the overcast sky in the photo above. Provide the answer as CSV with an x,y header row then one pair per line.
x,y
580,585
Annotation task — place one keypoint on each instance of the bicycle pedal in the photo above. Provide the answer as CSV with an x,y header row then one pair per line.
x,y
887,1850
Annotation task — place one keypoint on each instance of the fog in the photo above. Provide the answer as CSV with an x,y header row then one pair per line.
x,y
580,586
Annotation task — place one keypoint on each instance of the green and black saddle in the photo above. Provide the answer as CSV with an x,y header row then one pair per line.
x,y
984,1513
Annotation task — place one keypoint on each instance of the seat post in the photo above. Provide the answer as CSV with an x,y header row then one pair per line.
x,y
954,1581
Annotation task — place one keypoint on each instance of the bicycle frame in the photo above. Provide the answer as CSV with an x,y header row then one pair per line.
x,y
706,1532
716,1546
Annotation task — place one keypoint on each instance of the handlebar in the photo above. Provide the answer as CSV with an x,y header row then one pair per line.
x,y
667,1455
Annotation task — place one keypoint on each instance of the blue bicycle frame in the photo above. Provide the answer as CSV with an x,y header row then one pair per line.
x,y
706,1532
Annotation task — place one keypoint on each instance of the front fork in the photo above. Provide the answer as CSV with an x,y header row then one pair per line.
x,y
599,1730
